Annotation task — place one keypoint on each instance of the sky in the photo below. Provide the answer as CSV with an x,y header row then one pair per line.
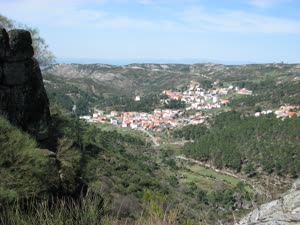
x,y
232,31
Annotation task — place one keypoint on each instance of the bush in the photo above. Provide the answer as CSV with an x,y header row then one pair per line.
x,y
25,170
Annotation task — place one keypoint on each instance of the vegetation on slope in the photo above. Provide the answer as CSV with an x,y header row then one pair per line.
x,y
249,144
25,170
119,167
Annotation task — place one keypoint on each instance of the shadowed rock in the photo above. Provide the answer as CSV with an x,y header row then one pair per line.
x,y
23,99
20,47
3,43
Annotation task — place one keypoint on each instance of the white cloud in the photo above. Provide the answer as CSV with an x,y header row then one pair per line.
x,y
267,3
72,14
199,19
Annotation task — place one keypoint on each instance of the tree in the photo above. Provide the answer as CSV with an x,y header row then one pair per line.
x,y
41,49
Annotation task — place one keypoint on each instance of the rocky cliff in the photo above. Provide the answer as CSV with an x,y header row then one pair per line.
x,y
23,99
283,211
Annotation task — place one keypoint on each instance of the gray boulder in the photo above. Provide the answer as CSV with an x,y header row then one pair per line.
x,y
283,211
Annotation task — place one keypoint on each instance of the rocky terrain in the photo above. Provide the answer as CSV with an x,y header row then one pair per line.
x,y
23,99
283,211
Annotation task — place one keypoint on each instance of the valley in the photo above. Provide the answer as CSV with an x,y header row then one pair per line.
x,y
209,148
171,117
149,143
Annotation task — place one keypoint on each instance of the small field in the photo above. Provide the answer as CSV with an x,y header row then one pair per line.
x,y
207,179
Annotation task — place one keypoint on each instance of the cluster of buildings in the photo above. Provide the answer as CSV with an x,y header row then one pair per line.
x,y
195,97
159,119
287,112
283,112
198,98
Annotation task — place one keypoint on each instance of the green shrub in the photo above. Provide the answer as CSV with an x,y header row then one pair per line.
x,y
25,170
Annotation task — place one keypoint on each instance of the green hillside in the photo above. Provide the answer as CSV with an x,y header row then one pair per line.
x,y
107,85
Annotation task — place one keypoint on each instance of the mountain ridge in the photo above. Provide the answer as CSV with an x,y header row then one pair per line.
x,y
137,78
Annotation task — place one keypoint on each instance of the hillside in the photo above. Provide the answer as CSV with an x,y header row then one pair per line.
x,y
101,84
122,166
143,78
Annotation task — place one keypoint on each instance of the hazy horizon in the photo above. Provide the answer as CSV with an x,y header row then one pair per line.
x,y
123,62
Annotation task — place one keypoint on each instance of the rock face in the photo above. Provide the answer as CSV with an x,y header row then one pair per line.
x,y
283,211
23,99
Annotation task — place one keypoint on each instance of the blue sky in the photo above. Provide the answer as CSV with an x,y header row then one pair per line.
x,y
168,30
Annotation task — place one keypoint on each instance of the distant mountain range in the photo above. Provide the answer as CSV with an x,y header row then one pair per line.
x,y
156,61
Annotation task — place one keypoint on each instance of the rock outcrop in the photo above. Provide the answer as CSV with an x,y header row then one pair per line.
x,y
23,99
283,211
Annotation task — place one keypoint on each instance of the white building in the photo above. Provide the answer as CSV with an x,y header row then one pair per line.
x,y
215,99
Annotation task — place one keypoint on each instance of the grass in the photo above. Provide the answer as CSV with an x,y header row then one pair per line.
x,y
88,210
204,182
207,178
210,173
85,210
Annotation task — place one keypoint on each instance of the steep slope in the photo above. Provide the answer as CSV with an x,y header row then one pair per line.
x,y
25,169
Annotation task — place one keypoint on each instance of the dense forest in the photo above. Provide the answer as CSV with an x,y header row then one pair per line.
x,y
268,93
248,144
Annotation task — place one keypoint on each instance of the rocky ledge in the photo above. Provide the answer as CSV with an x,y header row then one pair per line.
x,y
283,211
23,99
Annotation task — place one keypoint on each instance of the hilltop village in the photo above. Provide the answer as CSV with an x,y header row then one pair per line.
x,y
195,98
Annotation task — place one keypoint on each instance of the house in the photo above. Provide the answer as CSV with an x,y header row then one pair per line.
x,y
114,121
257,114
290,114
157,111
85,117
114,113
133,125
137,98
156,122
197,121
167,92
125,124
244,91
224,101
175,96
194,105
215,99
266,112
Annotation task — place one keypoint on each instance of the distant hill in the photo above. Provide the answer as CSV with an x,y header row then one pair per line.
x,y
103,84
142,78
